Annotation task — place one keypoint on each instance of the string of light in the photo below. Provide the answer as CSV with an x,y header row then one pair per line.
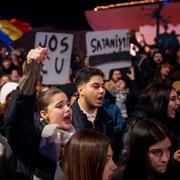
x,y
97,8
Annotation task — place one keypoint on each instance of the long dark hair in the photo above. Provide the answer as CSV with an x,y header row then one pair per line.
x,y
155,98
144,134
85,155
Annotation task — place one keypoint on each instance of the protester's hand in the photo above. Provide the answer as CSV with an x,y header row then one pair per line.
x,y
177,155
37,55
131,74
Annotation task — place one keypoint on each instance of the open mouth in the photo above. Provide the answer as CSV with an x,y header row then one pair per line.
x,y
173,112
67,119
100,98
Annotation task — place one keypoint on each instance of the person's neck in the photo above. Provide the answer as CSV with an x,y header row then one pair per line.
x,y
150,177
114,81
85,107
163,77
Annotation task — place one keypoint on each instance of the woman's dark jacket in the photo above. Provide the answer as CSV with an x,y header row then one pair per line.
x,y
23,137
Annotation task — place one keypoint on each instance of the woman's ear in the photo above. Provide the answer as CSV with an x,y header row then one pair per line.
x,y
44,114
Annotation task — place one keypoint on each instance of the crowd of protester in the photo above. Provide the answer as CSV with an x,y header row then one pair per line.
x,y
90,128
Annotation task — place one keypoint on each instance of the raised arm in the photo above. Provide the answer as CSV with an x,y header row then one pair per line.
x,y
22,134
32,68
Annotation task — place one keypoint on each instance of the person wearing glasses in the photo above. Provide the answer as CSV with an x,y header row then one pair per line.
x,y
158,101
150,153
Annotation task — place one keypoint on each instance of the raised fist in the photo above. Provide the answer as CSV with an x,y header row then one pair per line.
x,y
37,55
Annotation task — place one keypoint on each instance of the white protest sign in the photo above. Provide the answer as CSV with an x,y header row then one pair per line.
x,y
56,67
108,49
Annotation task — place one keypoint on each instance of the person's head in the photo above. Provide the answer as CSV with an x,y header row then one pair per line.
x,y
15,76
161,100
176,85
114,74
85,60
157,57
5,95
88,155
53,106
4,79
90,87
3,51
6,92
77,58
149,150
121,84
6,62
163,71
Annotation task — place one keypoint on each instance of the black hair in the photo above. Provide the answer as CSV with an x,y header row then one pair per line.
x,y
86,73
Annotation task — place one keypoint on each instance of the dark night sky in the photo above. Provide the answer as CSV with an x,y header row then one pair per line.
x,y
62,14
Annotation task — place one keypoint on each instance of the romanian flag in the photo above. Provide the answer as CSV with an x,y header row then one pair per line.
x,y
5,39
10,30
21,25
